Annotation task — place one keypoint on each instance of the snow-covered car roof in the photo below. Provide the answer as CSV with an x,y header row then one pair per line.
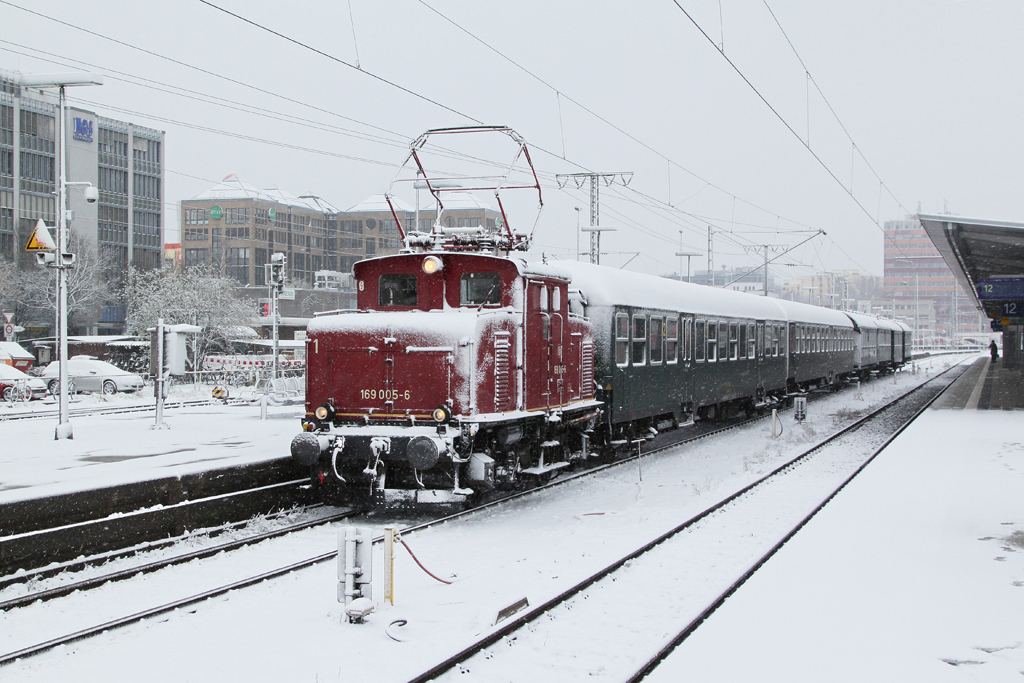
x,y
604,286
870,322
86,362
11,372
816,315
14,350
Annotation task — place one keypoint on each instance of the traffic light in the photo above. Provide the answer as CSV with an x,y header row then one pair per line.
x,y
264,308
277,270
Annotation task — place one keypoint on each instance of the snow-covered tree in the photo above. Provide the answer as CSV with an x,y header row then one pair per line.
x,y
195,296
32,292
87,285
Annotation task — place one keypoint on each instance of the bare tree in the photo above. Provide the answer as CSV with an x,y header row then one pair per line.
x,y
196,296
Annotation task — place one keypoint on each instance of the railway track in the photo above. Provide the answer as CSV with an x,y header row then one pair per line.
x,y
584,619
648,449
87,411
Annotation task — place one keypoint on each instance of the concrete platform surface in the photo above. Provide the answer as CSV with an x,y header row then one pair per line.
x,y
985,386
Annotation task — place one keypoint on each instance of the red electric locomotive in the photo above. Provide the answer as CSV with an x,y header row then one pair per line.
x,y
462,370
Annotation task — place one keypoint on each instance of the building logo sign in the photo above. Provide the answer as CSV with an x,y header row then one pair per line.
x,y
216,212
83,130
273,214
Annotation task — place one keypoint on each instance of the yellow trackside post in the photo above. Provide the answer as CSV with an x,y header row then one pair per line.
x,y
389,564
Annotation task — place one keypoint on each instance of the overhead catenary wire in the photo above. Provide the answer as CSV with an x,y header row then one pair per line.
x,y
341,61
821,162
593,113
300,121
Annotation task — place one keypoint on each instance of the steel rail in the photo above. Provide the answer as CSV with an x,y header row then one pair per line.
x,y
521,620
93,582
685,633
512,625
110,410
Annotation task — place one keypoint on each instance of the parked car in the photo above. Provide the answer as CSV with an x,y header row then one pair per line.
x,y
88,374
9,377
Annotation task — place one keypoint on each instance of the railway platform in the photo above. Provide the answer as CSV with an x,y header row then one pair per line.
x,y
985,386
913,572
114,450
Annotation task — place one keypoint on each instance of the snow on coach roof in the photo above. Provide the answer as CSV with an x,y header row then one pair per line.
x,y
608,287
798,312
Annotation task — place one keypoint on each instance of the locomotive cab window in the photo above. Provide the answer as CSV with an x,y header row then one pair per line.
x,y
397,290
477,289
639,340
621,339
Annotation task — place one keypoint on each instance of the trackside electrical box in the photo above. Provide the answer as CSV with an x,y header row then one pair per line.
x,y
355,564
175,348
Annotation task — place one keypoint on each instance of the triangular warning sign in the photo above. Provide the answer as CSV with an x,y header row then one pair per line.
x,y
41,239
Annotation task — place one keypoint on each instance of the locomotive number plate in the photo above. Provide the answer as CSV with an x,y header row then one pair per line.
x,y
384,394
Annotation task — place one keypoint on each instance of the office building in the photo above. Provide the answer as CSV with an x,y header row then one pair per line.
x,y
123,160
916,272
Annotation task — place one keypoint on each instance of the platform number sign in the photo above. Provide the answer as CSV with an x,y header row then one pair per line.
x,y
1009,289
1012,309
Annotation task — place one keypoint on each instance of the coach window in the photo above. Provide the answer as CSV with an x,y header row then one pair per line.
x,y
688,339
477,289
621,339
737,337
639,340
671,339
776,339
723,341
397,290
657,337
751,341
712,341
699,340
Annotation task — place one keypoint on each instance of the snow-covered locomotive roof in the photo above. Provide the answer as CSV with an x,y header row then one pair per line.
x,y
605,286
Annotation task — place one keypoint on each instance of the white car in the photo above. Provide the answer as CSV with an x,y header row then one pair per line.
x,y
85,373
9,379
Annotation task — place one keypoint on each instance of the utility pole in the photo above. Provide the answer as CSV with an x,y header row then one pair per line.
x,y
766,247
711,256
595,229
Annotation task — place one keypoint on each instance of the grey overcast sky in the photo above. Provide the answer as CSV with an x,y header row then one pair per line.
x,y
929,90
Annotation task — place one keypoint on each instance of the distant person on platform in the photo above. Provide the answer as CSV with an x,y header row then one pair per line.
x,y
994,350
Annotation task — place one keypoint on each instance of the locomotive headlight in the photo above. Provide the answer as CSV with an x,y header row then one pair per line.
x,y
432,264
441,414
324,411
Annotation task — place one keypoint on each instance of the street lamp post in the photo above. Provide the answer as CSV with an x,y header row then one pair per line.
x,y
809,290
62,82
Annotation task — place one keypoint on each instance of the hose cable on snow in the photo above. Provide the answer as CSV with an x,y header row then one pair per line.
x,y
420,564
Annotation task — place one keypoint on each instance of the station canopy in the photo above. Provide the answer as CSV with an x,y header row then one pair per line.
x,y
987,258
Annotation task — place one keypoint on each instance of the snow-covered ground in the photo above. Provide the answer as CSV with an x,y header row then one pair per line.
x,y
115,449
292,628
914,573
